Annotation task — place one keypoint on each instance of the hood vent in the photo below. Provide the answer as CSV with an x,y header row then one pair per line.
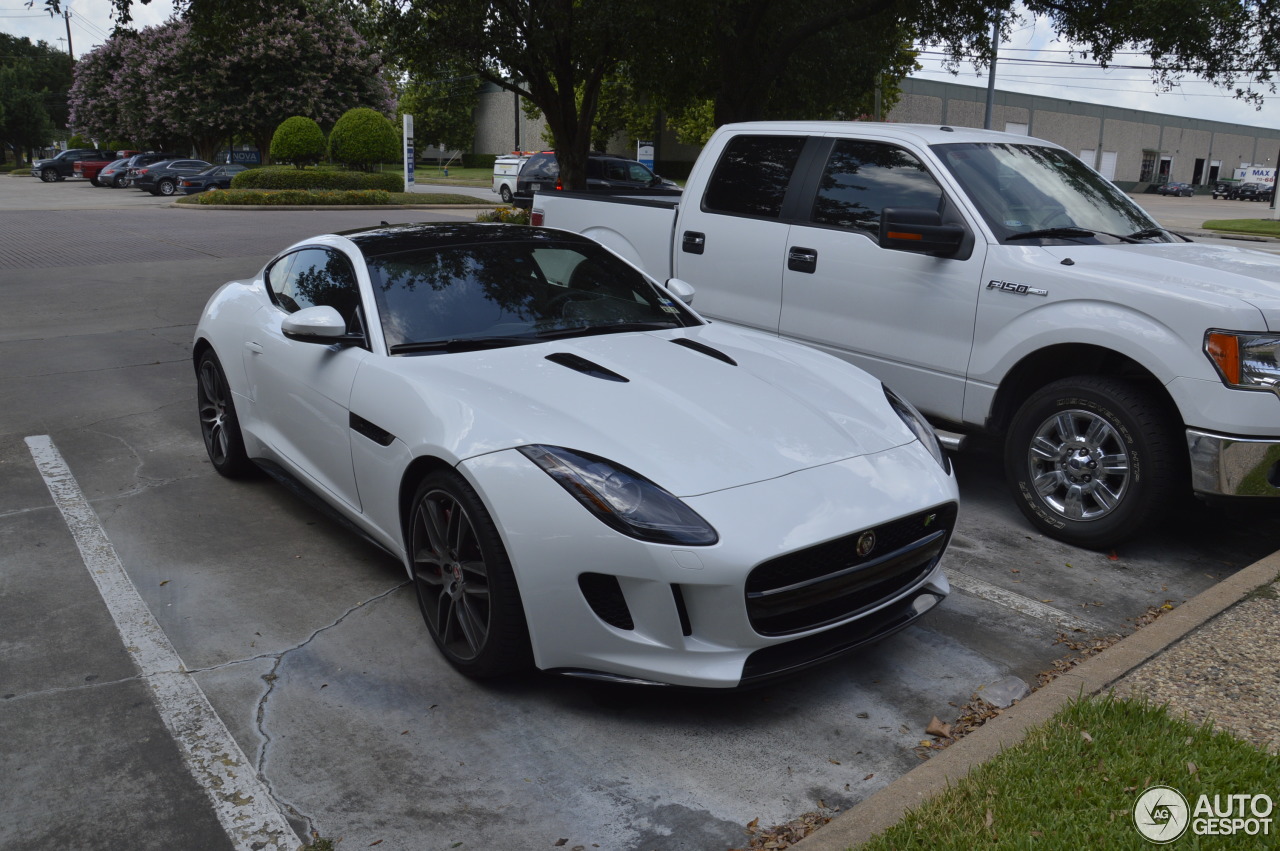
x,y
704,349
586,367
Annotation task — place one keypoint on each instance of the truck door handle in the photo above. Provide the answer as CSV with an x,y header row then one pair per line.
x,y
802,260
693,243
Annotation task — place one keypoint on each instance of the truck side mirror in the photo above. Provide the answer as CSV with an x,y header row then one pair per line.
x,y
918,230
682,290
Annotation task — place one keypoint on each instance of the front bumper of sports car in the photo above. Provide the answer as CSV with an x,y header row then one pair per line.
x,y
808,566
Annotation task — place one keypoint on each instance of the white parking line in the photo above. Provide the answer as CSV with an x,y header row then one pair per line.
x,y
243,806
1023,605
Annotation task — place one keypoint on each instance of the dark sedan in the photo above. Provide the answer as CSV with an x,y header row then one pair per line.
x,y
161,178
213,177
1177,190
113,174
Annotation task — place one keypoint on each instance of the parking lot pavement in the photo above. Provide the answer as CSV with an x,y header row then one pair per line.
x,y
309,648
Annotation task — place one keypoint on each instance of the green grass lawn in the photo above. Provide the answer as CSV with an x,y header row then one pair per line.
x,y
1073,784
1255,227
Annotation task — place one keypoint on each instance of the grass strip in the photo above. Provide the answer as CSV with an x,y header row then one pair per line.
x,y
1255,227
1073,782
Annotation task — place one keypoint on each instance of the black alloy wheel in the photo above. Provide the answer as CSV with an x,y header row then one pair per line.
x,y
466,588
218,423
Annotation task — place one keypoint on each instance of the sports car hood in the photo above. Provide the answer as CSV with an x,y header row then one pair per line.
x,y
678,413
1194,268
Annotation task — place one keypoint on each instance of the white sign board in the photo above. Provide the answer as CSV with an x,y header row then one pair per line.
x,y
408,153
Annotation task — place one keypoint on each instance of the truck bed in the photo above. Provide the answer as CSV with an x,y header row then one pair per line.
x,y
641,224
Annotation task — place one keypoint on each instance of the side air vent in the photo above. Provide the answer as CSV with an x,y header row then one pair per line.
x,y
586,367
604,595
704,349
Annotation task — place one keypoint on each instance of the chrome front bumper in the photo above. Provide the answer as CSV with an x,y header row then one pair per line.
x,y
1233,466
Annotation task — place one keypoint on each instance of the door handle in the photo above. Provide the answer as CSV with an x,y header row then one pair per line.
x,y
256,348
693,242
802,259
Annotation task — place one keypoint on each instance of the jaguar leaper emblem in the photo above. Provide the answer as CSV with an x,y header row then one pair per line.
x,y
866,543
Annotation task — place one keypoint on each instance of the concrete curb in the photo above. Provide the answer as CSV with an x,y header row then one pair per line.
x,y
886,807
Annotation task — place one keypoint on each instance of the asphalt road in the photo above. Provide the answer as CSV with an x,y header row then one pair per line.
x,y
307,642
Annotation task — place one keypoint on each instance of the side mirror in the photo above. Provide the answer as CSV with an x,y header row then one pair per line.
x,y
918,230
321,324
682,290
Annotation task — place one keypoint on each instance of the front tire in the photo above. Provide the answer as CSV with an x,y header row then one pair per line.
x,y
218,422
466,588
48,175
1093,460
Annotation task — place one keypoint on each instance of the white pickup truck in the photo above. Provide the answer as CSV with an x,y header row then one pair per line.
x,y
1002,286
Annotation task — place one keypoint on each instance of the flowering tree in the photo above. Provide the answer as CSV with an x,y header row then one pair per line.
x,y
168,86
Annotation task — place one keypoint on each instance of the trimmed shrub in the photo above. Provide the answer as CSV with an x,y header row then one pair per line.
x,y
363,137
294,197
314,178
298,140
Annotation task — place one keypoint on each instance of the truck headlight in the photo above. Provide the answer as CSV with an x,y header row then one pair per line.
x,y
1245,361
919,427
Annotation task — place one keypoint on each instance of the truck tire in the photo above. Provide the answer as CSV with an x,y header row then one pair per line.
x,y
1093,460
49,175
505,193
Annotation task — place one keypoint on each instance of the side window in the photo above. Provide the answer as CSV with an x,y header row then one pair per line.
x,y
862,178
640,173
315,276
752,176
615,170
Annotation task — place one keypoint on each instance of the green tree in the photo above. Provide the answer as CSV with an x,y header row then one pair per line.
x,y
298,140
363,137
34,79
443,105
554,53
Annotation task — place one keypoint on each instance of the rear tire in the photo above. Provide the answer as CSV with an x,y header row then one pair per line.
x,y
219,425
505,194
1093,460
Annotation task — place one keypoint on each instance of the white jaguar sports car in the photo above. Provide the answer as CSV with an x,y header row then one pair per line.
x,y
578,472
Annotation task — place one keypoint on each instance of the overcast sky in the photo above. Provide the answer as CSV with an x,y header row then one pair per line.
x,y
1023,65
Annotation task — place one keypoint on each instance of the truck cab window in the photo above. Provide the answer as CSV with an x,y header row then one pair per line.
x,y
862,178
752,176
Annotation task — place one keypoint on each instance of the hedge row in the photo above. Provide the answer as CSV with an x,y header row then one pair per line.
x,y
293,197
288,177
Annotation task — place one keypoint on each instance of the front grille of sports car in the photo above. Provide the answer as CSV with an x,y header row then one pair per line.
x,y
831,581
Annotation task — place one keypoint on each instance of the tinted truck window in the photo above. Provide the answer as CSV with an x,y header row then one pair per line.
x,y
752,176
862,178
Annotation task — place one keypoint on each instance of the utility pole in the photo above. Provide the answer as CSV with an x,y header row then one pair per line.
x,y
66,16
991,76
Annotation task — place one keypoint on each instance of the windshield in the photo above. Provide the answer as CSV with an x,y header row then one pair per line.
x,y
1025,188
512,292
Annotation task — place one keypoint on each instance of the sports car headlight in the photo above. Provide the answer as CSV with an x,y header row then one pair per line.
x,y
622,499
1245,361
922,430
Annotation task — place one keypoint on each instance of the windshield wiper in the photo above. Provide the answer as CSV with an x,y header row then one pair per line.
x,y
1148,233
459,344
1066,233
